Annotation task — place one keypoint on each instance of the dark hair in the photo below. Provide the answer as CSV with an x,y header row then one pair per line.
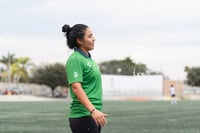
x,y
74,33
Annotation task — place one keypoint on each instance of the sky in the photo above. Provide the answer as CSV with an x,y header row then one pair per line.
x,y
163,34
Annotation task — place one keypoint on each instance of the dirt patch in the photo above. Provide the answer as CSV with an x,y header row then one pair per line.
x,y
4,98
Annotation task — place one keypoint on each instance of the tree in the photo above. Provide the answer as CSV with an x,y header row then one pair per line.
x,y
193,76
53,75
20,69
16,68
122,67
7,61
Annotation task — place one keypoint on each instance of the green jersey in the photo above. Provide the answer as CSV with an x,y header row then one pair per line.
x,y
81,68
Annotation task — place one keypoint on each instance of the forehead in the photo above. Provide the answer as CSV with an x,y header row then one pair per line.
x,y
88,31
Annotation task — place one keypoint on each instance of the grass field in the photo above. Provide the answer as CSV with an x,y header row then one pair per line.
x,y
124,117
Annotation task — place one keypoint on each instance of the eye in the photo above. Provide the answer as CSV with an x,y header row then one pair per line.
x,y
91,35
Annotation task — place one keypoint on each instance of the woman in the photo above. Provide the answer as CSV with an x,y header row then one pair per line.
x,y
84,79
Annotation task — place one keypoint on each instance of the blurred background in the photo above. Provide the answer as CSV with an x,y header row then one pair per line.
x,y
147,45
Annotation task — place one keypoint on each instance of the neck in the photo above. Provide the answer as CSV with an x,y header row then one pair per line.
x,y
85,51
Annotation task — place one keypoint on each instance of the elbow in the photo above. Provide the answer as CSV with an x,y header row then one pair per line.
x,y
76,87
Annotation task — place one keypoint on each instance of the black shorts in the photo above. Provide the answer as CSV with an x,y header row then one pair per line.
x,y
173,95
84,124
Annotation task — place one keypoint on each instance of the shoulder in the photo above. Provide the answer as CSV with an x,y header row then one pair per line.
x,y
75,58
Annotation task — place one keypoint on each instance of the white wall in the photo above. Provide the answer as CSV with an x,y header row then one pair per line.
x,y
146,85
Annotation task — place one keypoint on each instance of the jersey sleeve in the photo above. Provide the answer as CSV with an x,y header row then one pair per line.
x,y
74,71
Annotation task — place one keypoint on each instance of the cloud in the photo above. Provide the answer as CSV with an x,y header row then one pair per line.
x,y
116,16
38,49
157,33
170,60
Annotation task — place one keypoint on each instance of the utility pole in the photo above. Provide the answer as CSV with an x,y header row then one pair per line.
x,y
9,72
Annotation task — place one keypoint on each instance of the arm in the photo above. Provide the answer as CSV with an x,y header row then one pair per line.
x,y
97,115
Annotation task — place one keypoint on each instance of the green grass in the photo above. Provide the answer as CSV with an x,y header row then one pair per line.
x,y
124,117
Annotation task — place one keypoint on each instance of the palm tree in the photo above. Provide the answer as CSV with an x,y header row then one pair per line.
x,y
16,68
20,69
7,61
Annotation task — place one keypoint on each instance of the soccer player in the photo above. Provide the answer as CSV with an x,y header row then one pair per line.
x,y
84,80
173,95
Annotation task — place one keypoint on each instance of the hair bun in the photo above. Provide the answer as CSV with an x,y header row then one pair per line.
x,y
66,28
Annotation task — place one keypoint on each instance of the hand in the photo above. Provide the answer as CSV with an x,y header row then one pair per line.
x,y
99,117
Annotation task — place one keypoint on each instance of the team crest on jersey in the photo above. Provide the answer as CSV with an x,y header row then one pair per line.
x,y
75,74
88,64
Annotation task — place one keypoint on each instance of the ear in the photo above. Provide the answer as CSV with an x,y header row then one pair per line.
x,y
79,41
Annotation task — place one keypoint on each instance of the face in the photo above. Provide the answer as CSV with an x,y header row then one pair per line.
x,y
87,43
